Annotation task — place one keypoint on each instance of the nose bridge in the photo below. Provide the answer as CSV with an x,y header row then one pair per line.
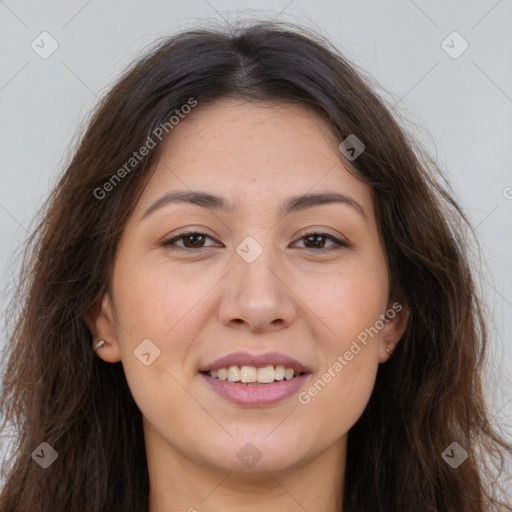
x,y
255,291
254,264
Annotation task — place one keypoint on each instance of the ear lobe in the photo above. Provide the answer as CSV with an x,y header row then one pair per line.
x,y
397,316
99,319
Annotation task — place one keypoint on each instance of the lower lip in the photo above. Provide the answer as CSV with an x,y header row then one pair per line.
x,y
257,395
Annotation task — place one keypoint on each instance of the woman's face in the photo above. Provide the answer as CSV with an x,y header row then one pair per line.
x,y
250,281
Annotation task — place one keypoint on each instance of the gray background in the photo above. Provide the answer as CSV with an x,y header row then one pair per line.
x,y
460,108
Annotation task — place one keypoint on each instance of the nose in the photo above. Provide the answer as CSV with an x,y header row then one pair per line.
x,y
256,296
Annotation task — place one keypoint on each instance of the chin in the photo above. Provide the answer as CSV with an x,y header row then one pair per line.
x,y
254,454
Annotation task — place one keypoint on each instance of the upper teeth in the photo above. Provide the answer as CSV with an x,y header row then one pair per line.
x,y
252,374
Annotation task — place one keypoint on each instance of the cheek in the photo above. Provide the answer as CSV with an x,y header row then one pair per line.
x,y
347,302
348,306
151,305
335,401
155,303
348,345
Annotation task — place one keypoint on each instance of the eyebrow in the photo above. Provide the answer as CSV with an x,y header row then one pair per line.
x,y
218,203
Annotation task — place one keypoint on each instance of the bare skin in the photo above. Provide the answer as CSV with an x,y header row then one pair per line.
x,y
302,297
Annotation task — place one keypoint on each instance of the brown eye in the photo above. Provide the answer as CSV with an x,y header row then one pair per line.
x,y
196,239
316,241
191,240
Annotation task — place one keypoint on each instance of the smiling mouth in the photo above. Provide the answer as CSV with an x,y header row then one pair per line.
x,y
252,375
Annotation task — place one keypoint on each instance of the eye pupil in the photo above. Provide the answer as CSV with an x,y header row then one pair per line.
x,y
315,237
194,235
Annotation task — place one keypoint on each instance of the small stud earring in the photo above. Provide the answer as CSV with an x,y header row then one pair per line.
x,y
99,344
389,351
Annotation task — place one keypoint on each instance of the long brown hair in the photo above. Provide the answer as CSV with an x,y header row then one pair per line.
x,y
426,397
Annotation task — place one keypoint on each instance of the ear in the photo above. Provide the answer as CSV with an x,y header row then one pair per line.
x,y
100,320
397,316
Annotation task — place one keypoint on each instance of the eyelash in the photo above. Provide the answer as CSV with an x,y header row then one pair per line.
x,y
340,244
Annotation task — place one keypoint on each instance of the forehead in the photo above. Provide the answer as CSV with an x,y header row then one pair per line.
x,y
252,152
252,132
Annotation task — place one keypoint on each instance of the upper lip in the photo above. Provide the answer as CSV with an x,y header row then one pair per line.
x,y
258,360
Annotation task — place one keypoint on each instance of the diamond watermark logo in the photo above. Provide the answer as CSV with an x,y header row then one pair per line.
x,y
146,352
454,455
44,455
249,250
352,147
454,45
44,45
249,455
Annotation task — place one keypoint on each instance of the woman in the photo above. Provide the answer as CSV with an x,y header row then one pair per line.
x,y
248,290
